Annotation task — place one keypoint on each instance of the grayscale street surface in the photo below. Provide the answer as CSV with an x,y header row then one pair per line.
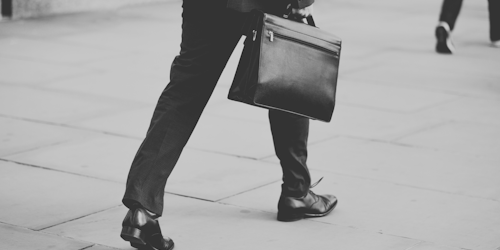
x,y
412,151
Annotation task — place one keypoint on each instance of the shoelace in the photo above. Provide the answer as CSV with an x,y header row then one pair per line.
x,y
316,183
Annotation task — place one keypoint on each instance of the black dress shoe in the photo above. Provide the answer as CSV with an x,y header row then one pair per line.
x,y
143,231
311,205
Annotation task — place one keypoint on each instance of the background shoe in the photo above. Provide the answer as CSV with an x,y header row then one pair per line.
x,y
495,44
444,44
311,205
143,231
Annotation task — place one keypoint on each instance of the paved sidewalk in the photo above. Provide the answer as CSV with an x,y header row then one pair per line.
x,y
412,151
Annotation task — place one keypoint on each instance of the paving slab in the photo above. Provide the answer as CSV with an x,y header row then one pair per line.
x,y
227,77
348,20
18,238
133,62
120,42
53,106
133,87
195,224
362,122
132,122
228,134
351,93
432,246
232,136
101,247
467,109
383,97
387,208
219,96
37,198
102,228
199,174
154,11
451,74
50,51
472,32
455,173
464,137
28,28
139,28
34,72
211,176
100,156
220,106
18,136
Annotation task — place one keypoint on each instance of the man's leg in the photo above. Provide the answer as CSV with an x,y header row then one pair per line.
x,y
290,133
449,14
209,36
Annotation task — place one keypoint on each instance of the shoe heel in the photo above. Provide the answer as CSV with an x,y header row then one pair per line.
x,y
134,236
136,245
290,216
441,34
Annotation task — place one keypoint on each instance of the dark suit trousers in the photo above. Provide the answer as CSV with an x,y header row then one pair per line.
x,y
209,35
451,8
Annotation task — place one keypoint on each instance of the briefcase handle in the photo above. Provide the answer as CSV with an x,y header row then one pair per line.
x,y
288,15
310,21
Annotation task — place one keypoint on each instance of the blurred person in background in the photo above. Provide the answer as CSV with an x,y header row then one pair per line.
x,y
449,14
210,32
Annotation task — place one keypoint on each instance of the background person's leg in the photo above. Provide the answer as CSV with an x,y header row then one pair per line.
x,y
449,12
209,35
494,11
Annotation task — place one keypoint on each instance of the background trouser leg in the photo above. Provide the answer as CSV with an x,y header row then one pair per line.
x,y
494,11
449,12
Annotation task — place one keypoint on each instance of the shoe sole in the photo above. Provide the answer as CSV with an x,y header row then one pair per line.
x,y
290,217
138,240
149,247
134,236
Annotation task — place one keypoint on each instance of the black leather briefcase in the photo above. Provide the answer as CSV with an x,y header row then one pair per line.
x,y
289,66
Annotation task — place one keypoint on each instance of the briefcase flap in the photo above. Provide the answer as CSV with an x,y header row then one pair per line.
x,y
305,29
298,69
